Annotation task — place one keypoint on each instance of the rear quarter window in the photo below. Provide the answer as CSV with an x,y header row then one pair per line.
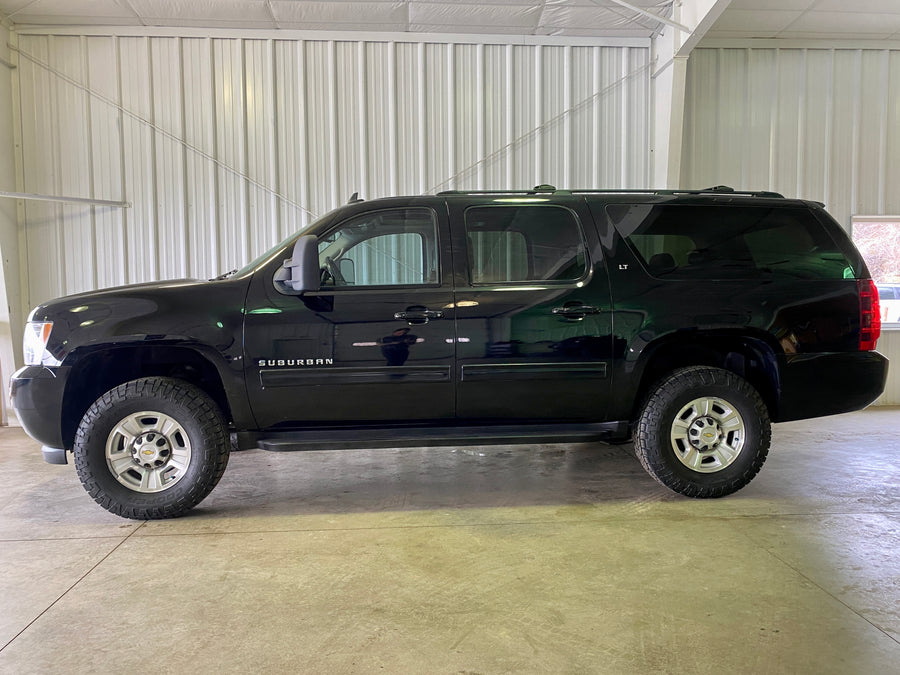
x,y
681,241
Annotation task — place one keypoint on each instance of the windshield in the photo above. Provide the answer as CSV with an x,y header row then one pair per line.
x,y
260,259
256,262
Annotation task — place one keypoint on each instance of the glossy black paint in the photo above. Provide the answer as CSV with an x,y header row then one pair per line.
x,y
815,385
488,356
516,357
37,393
755,328
97,336
340,354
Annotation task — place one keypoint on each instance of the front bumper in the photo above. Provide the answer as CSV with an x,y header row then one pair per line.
x,y
37,395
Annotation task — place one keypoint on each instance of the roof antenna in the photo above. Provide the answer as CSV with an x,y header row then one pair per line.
x,y
354,198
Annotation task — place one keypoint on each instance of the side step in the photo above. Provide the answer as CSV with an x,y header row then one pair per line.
x,y
413,437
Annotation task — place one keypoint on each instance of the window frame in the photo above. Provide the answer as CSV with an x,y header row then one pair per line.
x,y
585,244
884,220
435,221
639,257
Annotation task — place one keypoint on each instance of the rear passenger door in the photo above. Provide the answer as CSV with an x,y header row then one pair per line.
x,y
533,323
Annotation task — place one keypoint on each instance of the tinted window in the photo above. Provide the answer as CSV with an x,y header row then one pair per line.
x,y
382,248
509,244
722,242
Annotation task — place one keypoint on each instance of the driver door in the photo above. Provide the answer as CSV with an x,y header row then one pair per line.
x,y
374,343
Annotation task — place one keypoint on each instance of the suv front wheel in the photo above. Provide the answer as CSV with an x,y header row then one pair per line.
x,y
151,448
703,432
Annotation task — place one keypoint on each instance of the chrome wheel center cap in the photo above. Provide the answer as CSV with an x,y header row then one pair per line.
x,y
151,450
704,433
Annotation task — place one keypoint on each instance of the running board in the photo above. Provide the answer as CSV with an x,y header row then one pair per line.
x,y
436,436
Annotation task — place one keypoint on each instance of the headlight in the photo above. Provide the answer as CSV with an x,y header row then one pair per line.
x,y
35,345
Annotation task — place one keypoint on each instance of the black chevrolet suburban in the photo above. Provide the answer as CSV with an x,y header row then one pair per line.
x,y
688,320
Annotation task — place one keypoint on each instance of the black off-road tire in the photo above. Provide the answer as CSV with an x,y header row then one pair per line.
x,y
658,450
203,428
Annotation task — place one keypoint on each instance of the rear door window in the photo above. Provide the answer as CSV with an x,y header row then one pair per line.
x,y
510,244
680,241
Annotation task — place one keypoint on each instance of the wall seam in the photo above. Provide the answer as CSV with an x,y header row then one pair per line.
x,y
19,153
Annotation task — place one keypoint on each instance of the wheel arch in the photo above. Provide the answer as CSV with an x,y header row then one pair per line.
x,y
96,371
750,357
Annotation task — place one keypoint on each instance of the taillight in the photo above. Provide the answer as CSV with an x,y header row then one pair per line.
x,y
869,315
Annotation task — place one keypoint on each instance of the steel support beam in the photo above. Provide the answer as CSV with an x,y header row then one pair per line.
x,y
652,15
65,200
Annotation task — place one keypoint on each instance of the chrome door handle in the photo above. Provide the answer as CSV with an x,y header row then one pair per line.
x,y
574,311
418,316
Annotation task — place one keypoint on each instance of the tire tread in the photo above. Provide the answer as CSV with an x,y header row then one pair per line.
x,y
197,405
651,436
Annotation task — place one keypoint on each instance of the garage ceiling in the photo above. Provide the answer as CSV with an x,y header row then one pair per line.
x,y
810,19
799,19
586,18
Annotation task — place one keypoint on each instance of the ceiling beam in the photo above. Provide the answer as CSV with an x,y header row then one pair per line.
x,y
137,15
652,15
346,35
272,13
22,8
703,14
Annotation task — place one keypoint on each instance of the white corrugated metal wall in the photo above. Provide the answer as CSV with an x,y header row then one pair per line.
x,y
225,145
10,324
821,124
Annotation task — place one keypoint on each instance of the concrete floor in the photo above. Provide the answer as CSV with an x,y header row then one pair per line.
x,y
550,559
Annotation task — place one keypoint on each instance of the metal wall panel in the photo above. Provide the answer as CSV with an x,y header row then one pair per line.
x,y
223,146
140,187
105,142
201,184
821,124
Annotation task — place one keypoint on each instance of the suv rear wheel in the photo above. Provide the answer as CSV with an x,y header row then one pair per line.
x,y
703,432
151,448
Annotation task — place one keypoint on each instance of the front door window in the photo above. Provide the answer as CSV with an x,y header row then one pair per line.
x,y
396,247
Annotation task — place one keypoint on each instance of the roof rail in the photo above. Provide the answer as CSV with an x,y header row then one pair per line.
x,y
537,189
717,190
549,189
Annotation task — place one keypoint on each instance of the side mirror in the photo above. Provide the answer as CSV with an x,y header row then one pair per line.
x,y
348,271
300,272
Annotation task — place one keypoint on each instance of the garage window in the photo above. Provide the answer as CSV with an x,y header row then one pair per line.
x,y
878,239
